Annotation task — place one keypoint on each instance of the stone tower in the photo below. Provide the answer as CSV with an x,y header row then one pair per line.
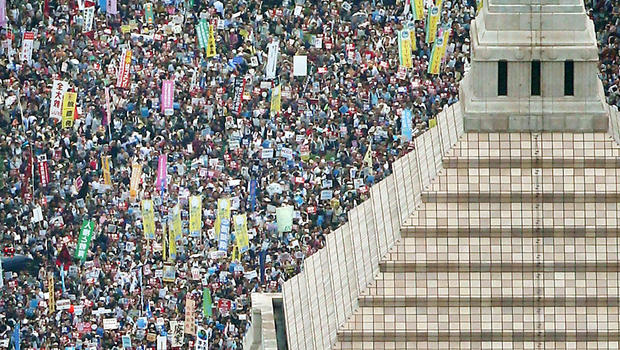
x,y
533,68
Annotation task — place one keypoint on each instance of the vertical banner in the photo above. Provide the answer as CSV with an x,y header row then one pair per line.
x,y
111,7
207,305
189,324
438,52
27,45
176,333
44,174
177,224
164,238
59,88
3,19
86,235
431,24
89,17
195,216
284,218
136,174
211,50
238,97
404,49
241,232
148,219
68,109
172,245
418,9
253,184
223,212
162,172
276,100
202,32
406,124
51,303
105,167
162,342
148,13
478,6
122,77
272,60
108,113
224,237
167,97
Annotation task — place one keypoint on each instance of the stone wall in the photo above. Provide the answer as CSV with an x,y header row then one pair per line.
x,y
321,298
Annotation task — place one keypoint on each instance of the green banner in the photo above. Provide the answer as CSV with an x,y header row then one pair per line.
x,y
206,302
202,31
86,235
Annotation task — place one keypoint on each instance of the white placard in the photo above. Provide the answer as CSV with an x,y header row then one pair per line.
x,y
300,66
110,323
266,153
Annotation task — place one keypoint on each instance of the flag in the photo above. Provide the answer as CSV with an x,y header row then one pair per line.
x,y
432,22
86,235
211,50
195,216
438,52
404,49
68,109
148,219
206,302
167,97
241,232
276,100
122,77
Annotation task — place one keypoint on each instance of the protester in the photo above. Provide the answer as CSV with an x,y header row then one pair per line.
x,y
215,144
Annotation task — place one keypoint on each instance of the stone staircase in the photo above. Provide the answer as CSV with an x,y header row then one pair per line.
x,y
514,246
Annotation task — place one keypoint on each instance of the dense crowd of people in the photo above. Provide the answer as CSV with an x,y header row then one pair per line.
x,y
337,132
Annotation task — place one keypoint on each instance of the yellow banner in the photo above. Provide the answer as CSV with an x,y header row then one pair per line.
x,y
276,100
136,173
195,215
148,219
438,52
172,246
405,48
241,233
211,51
177,226
52,299
431,24
68,109
223,212
105,166
419,9
438,3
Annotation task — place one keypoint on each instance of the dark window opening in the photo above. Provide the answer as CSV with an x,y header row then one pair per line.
x,y
535,78
569,78
502,78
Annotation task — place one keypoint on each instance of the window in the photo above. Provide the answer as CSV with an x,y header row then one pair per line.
x,y
535,89
502,78
569,78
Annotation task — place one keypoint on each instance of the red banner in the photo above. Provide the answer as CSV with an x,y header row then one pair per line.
x,y
43,170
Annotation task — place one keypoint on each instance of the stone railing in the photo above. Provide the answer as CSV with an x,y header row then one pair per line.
x,y
320,298
614,122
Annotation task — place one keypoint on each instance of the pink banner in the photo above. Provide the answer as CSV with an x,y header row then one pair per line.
x,y
106,116
167,96
162,172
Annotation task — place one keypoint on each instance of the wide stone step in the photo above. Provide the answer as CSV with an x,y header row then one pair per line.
x,y
504,250
520,197
509,231
508,323
526,180
403,301
505,215
471,345
468,336
412,266
505,284
531,162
